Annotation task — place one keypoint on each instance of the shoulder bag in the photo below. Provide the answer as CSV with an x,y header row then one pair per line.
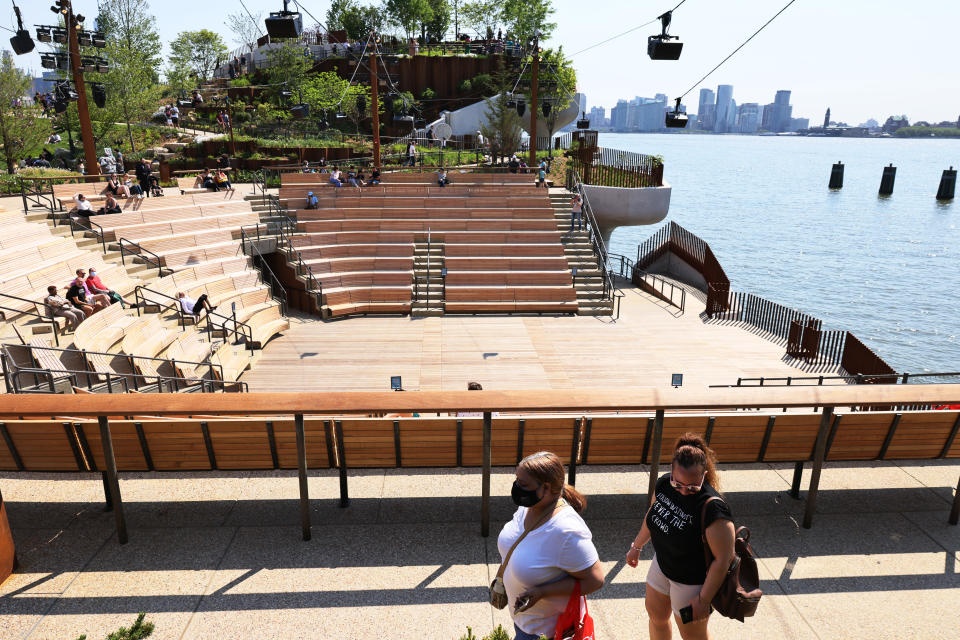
x,y
739,593
498,593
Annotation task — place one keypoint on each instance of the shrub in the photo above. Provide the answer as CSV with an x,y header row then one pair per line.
x,y
138,631
466,86
483,83
10,183
240,82
428,94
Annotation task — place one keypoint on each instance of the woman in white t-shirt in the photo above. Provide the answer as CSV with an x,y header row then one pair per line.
x,y
557,551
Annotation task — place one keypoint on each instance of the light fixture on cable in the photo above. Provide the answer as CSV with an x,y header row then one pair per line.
x,y
21,42
43,34
660,47
676,119
59,35
284,24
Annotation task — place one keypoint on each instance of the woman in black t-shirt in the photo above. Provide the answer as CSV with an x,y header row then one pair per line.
x,y
679,578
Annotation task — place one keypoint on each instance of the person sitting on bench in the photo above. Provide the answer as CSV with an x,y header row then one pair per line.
x,y
110,205
375,176
96,286
115,187
312,202
204,181
192,307
221,181
59,307
78,298
101,300
335,177
442,179
82,206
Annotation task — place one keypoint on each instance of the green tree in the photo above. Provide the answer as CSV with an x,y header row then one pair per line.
x,y
21,127
524,17
502,124
194,53
133,46
356,19
322,92
482,16
556,85
435,28
408,14
287,65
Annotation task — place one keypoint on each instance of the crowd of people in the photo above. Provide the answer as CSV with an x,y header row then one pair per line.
x,y
85,295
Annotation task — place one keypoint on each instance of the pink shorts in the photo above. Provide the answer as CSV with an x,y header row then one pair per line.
x,y
681,595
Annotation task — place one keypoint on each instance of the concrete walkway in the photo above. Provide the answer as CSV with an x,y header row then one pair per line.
x,y
219,555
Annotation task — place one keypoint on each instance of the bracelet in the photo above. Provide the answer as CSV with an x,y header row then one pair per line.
x,y
633,547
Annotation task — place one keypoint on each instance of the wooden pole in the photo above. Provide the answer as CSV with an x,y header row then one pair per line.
x,y
534,107
83,109
375,102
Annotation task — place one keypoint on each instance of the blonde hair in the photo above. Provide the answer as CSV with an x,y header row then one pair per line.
x,y
547,468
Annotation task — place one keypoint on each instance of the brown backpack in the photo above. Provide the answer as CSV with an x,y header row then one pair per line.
x,y
739,593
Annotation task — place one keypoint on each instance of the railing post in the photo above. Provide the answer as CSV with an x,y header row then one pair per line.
x,y
302,475
113,483
820,451
655,455
485,480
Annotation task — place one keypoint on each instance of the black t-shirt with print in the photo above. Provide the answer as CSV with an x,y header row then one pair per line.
x,y
674,523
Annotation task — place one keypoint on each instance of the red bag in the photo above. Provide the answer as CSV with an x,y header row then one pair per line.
x,y
575,622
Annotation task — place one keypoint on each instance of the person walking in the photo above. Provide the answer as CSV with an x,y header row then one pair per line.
x,y
411,154
546,547
143,171
576,212
686,502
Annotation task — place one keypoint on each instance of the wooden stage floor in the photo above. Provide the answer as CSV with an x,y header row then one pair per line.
x,y
647,344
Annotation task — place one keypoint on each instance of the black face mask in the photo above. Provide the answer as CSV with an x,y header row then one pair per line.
x,y
523,497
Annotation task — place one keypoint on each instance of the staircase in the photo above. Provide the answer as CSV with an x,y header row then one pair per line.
x,y
588,280
428,283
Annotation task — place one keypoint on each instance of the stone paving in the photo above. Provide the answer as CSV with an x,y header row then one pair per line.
x,y
219,554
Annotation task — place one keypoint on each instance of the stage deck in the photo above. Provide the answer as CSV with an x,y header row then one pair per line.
x,y
648,343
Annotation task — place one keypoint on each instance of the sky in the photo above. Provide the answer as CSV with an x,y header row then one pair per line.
x,y
863,59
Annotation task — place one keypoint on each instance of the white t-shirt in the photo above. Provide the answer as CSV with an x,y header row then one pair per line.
x,y
187,305
561,546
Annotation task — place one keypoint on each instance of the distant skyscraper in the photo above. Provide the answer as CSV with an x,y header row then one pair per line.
x,y
618,115
598,117
707,103
749,119
724,98
826,119
781,112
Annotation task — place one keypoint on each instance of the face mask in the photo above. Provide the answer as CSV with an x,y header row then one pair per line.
x,y
523,497
93,274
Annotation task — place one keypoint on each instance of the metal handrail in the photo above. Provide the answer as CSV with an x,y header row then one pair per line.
x,y
34,313
38,197
155,260
142,301
132,359
304,270
894,378
276,287
172,382
238,326
595,238
75,222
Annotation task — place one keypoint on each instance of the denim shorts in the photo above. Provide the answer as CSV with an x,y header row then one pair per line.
x,y
523,635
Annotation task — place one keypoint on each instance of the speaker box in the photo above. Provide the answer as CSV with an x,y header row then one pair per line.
x,y
676,120
284,24
22,42
660,49
300,111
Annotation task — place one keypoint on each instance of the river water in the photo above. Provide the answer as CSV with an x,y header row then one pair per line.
x,y
885,268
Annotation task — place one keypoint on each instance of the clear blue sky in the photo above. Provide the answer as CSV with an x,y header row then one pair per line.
x,y
861,58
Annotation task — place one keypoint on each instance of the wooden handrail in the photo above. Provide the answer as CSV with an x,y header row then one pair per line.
x,y
638,399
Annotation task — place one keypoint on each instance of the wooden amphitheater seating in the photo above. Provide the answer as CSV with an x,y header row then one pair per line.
x,y
143,223
99,333
186,352
426,177
190,226
267,323
408,213
64,193
190,444
186,185
167,287
446,202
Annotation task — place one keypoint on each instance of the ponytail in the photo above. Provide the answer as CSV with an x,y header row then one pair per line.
x,y
574,498
691,450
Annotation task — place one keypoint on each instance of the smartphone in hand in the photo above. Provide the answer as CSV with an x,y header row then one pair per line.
x,y
521,604
686,614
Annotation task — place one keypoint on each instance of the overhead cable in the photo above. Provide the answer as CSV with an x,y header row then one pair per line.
x,y
697,83
619,35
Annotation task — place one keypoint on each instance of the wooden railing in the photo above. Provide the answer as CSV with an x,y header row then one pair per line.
x,y
672,238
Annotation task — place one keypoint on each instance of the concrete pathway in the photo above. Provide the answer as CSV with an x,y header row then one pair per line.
x,y
219,555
